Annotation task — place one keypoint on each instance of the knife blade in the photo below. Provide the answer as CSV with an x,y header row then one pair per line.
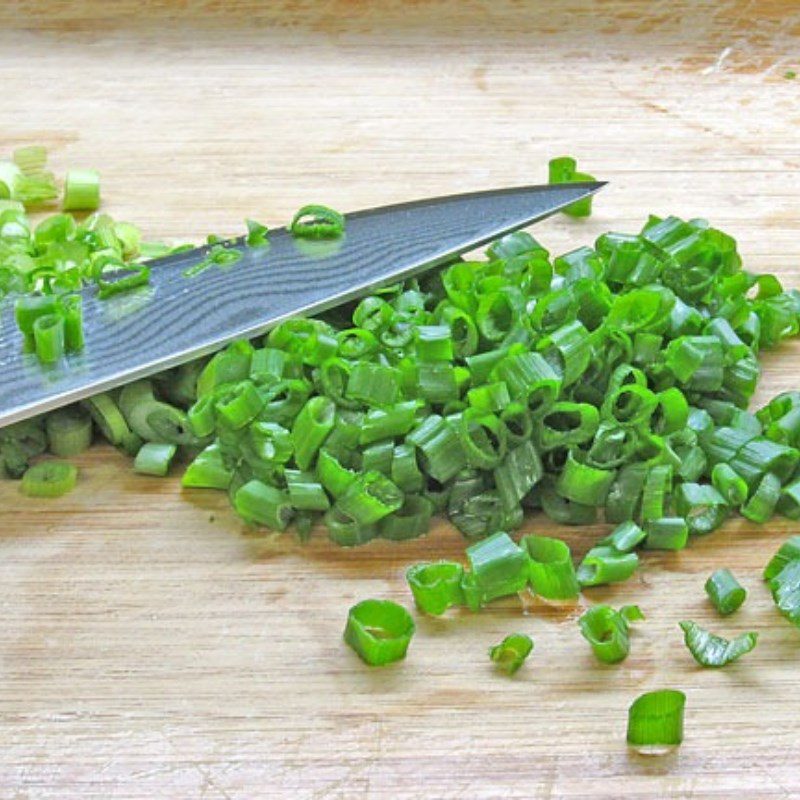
x,y
176,319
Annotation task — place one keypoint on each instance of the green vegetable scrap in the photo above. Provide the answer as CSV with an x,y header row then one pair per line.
x,y
379,631
655,720
709,650
512,652
607,631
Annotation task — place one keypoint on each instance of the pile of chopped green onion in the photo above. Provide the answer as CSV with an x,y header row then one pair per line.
x,y
610,383
606,383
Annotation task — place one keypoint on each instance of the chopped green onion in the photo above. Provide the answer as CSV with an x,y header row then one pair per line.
x,y
606,630
69,431
625,537
725,592
631,613
236,408
383,423
666,533
512,652
153,420
789,551
49,479
605,564
583,484
48,336
436,587
518,473
442,453
410,521
207,470
789,500
762,503
81,190
498,567
785,588
259,503
703,507
113,284
379,631
305,493
154,458
729,484
220,254
311,427
345,531
709,650
71,307
19,443
111,422
369,498
257,234
29,189
564,170
317,222
655,721
31,160
552,574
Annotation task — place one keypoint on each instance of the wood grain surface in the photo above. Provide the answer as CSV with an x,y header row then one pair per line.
x,y
150,647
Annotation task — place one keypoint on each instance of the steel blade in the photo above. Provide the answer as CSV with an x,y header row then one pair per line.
x,y
177,318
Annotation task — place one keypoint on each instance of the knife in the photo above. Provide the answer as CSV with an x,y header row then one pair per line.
x,y
176,319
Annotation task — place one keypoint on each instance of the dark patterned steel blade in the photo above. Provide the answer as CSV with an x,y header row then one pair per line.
x,y
176,318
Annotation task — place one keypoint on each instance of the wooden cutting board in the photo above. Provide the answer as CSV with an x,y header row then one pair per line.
x,y
150,647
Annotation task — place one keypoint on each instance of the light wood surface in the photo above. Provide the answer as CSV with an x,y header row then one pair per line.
x,y
152,648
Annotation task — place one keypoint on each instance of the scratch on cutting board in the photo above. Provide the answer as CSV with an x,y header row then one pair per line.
x,y
717,65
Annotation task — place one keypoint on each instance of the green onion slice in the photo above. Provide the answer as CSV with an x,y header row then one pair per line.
x,y
69,431
510,654
317,222
154,458
436,587
725,592
655,721
785,588
379,631
710,650
606,630
552,574
498,568
49,479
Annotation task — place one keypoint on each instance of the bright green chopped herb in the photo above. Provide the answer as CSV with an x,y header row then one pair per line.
x,y
81,190
437,586
317,222
512,652
552,574
154,459
605,383
498,568
257,234
69,431
606,630
784,583
379,631
655,721
709,650
49,479
219,254
725,592
564,170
